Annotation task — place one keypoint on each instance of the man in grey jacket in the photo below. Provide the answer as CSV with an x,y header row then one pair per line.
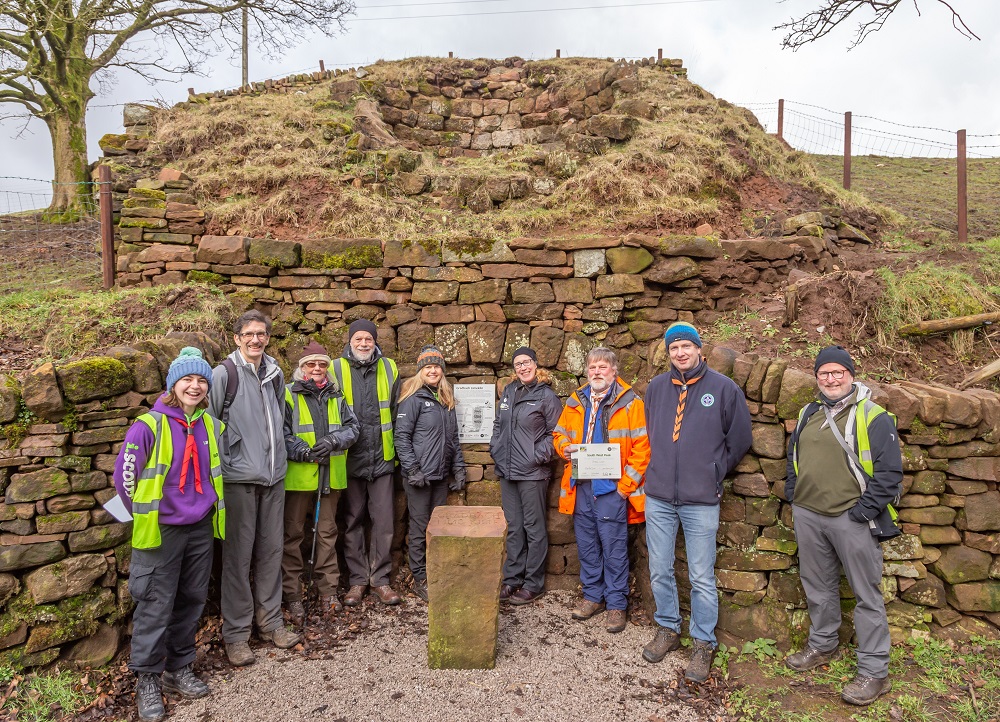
x,y
253,469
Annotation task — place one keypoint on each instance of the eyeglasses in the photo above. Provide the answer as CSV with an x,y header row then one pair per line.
x,y
523,364
835,375
251,335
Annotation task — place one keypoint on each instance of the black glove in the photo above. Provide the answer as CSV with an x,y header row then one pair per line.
x,y
322,449
416,479
456,484
300,452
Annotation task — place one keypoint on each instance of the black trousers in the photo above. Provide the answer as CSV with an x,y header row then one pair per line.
x,y
421,501
169,585
375,498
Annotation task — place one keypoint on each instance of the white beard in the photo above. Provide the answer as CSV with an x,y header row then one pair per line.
x,y
365,358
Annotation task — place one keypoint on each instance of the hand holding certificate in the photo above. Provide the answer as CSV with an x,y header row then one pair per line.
x,y
597,461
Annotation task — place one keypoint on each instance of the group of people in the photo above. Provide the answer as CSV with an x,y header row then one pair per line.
x,y
237,454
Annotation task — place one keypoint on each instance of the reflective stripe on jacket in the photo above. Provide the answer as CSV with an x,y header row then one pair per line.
x,y
385,378
624,421
149,487
304,476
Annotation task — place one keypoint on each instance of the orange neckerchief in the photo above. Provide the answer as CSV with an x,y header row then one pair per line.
x,y
681,401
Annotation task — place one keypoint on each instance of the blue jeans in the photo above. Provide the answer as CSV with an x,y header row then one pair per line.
x,y
601,526
700,524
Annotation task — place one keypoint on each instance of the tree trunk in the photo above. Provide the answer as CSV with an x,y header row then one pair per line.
x,y
71,189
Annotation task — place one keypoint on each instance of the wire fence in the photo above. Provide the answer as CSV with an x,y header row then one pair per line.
x,y
869,154
39,249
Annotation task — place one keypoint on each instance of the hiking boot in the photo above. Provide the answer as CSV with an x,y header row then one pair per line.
x,y
240,654
354,595
386,595
864,690
185,682
329,604
296,612
420,589
506,591
149,697
810,658
700,665
666,640
615,620
523,596
587,609
281,638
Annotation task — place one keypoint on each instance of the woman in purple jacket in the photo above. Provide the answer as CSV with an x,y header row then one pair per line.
x,y
168,476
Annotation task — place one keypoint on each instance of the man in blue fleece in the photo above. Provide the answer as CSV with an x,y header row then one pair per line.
x,y
699,429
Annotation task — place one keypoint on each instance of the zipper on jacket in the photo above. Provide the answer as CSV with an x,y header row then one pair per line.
x,y
267,415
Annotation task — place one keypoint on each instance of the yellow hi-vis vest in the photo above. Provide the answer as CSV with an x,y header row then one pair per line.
x,y
385,377
149,488
304,476
866,411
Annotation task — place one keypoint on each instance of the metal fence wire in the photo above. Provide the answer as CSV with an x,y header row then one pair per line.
x,y
886,153
38,250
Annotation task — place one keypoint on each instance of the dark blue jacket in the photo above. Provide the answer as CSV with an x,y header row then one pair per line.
x,y
714,435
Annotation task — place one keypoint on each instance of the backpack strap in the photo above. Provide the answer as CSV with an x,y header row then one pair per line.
x,y
232,386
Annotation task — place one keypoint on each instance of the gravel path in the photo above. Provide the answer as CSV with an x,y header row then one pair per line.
x,y
548,668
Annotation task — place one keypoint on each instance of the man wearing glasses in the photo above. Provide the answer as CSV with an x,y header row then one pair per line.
x,y
844,469
253,469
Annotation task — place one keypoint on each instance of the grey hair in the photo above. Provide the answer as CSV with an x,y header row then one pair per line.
x,y
602,354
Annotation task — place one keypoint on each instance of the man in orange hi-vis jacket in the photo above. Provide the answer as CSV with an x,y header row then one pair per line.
x,y
604,411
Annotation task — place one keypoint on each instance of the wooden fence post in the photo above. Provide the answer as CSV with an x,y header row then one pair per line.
x,y
847,150
322,66
659,55
963,191
781,118
107,229
557,52
451,54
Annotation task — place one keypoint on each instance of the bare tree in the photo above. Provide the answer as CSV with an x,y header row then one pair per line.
x,y
831,13
52,51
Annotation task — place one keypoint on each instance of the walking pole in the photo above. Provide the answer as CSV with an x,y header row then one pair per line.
x,y
312,553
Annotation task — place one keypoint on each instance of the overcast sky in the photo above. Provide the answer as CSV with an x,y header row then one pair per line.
x,y
916,71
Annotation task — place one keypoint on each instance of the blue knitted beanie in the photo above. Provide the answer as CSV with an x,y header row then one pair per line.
x,y
681,331
189,361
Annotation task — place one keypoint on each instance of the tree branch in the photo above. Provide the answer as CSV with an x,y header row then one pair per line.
x,y
820,22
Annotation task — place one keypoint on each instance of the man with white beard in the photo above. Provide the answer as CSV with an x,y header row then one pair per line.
x,y
370,383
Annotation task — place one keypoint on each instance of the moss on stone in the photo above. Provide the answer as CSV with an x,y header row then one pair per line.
x,y
113,141
469,246
212,279
94,378
143,203
366,256
150,223
150,193
18,659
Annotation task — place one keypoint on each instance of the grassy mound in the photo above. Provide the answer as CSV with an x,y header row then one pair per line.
x,y
284,164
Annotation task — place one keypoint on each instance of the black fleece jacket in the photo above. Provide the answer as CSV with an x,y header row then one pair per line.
x,y
426,437
521,446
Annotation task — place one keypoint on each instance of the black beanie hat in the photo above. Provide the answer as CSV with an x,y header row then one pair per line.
x,y
362,324
524,351
834,355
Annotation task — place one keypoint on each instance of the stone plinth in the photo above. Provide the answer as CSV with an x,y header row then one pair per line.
x,y
465,552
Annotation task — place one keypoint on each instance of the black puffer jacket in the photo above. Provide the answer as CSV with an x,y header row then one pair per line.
x,y
426,435
365,460
521,446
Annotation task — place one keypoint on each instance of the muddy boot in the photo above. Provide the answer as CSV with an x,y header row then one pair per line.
x,y
700,665
149,697
864,690
281,637
240,654
296,612
666,640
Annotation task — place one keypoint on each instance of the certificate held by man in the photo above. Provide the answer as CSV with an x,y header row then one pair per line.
x,y
597,461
